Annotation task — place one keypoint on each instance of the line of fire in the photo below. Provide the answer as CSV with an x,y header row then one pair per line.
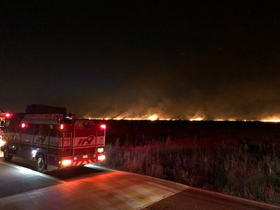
x,y
46,135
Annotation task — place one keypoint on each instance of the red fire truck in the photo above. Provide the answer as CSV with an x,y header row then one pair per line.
x,y
46,135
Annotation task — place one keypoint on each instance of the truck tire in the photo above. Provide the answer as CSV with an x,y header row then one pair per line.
x,y
7,156
41,166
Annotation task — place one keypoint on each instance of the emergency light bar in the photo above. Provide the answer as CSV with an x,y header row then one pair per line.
x,y
7,115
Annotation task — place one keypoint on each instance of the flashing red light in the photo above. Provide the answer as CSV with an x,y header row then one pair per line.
x,y
8,115
61,126
23,125
103,126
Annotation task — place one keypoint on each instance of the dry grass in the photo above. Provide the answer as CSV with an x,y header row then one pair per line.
x,y
246,170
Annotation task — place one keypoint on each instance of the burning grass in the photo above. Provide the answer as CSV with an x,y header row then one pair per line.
x,y
237,168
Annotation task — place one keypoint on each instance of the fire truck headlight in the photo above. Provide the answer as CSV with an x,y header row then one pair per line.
x,y
2,143
101,157
101,149
34,152
66,162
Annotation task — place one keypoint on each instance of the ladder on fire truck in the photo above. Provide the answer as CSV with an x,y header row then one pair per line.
x,y
70,145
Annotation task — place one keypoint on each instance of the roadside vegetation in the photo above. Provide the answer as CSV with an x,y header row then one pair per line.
x,y
246,169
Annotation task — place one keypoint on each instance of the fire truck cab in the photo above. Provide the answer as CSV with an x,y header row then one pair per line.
x,y
47,136
3,117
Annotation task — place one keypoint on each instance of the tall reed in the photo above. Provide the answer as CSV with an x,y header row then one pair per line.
x,y
235,168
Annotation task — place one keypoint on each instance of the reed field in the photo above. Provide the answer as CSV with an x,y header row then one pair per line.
x,y
227,164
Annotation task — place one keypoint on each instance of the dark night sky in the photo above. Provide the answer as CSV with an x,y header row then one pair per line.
x,y
137,58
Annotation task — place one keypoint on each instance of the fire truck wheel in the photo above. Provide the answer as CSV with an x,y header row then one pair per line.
x,y
41,166
7,156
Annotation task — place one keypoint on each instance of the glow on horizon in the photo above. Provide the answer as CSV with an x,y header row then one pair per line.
x,y
274,118
271,120
196,119
155,117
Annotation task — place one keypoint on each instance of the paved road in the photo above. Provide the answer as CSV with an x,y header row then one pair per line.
x,y
92,187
